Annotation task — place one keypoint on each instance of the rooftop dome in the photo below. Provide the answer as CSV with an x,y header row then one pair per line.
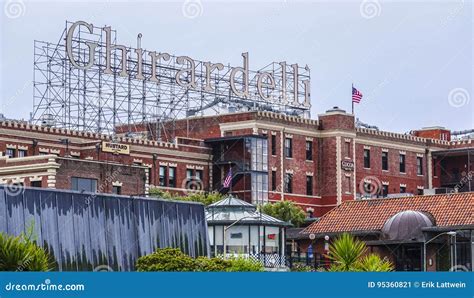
x,y
407,225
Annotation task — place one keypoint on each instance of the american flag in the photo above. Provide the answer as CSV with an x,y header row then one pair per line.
x,y
356,95
228,179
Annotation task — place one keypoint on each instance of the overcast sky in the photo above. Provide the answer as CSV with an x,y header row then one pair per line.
x,y
411,60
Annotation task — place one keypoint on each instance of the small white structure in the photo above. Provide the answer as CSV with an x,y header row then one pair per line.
x,y
237,228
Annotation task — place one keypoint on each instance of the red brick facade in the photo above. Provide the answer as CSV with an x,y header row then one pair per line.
x,y
336,167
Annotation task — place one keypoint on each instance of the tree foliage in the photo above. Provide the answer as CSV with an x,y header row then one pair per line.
x,y
286,211
201,197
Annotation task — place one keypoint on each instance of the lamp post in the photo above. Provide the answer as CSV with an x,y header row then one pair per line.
x,y
450,233
326,251
230,226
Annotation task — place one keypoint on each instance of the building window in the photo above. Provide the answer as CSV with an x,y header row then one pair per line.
x,y
162,176
117,190
259,186
402,163
348,184
22,153
309,150
189,174
172,177
10,152
289,183
367,158
385,161
258,154
420,191
309,185
384,190
419,165
403,189
35,183
348,149
288,148
274,144
274,180
199,175
84,184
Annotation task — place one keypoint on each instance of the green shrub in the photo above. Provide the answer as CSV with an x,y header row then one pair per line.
x,y
22,254
205,198
212,265
301,268
240,264
172,259
166,259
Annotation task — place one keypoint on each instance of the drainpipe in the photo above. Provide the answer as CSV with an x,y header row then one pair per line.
x,y
282,164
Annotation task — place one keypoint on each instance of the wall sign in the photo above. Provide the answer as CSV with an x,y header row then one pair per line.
x,y
115,148
347,165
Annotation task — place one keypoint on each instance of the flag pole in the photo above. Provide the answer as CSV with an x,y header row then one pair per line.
x,y
352,99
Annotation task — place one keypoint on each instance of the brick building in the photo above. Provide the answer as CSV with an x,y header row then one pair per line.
x,y
430,232
318,163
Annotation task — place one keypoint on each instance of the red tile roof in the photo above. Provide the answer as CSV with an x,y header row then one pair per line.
x,y
455,209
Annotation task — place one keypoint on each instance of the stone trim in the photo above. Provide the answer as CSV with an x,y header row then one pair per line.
x,y
117,183
35,178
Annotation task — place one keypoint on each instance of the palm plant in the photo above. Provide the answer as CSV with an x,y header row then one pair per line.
x,y
22,254
346,251
374,263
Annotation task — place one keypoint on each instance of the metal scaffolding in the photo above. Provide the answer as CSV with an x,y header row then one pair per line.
x,y
90,100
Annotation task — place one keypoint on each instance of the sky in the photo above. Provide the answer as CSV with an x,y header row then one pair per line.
x,y
412,60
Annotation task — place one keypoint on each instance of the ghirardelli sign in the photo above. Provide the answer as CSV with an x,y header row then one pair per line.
x,y
89,47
